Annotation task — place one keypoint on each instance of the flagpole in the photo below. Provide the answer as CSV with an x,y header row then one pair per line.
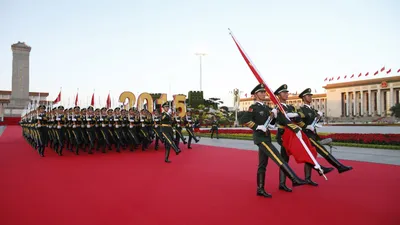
x,y
273,98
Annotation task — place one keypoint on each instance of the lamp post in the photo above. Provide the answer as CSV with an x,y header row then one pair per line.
x,y
236,99
200,57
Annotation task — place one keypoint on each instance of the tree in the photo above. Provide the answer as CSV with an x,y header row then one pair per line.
x,y
395,110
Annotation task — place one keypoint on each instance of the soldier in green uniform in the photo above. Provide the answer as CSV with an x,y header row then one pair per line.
x,y
41,123
308,116
282,93
91,128
214,127
157,128
187,120
256,118
61,131
167,132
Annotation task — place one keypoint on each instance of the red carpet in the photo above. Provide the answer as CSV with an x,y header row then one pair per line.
x,y
203,185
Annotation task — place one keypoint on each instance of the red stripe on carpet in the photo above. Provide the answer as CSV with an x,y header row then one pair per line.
x,y
203,185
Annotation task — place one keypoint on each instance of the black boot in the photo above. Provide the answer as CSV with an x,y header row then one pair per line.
x,y
287,171
324,169
260,186
167,155
60,149
282,182
307,174
339,166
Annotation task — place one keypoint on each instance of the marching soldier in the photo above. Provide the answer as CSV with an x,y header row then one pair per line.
x,y
214,127
282,93
256,118
125,127
308,116
168,133
91,128
41,122
103,122
76,128
118,129
157,128
176,124
60,132
189,128
97,128
143,132
134,139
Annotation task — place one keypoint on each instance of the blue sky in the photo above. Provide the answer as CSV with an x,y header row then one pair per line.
x,y
149,46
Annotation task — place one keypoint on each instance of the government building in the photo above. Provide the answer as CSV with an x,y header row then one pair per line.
x,y
363,98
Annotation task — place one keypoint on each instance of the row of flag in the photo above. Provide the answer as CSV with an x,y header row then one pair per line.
x,y
382,70
76,103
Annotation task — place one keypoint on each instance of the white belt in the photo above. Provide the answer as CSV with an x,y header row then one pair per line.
x,y
131,126
58,127
73,126
103,125
117,126
97,125
88,126
39,125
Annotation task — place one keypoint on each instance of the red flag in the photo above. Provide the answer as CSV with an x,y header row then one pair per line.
x,y
390,70
76,100
58,99
108,102
305,152
338,77
376,73
245,95
398,71
367,74
359,75
92,101
292,145
345,77
352,76
383,68
326,79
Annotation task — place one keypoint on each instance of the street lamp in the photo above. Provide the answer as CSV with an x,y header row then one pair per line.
x,y
236,99
200,56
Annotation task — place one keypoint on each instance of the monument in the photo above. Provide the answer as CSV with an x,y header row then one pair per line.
x,y
19,98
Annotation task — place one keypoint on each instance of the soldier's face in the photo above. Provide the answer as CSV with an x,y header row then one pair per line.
x,y
307,99
284,95
261,95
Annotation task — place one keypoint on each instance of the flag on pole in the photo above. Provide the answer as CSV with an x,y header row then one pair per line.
x,y
304,152
108,102
58,99
92,101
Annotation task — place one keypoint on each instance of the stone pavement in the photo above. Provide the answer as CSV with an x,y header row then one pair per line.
x,y
348,153
2,129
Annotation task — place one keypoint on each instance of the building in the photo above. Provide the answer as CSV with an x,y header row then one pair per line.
x,y
34,97
319,102
363,98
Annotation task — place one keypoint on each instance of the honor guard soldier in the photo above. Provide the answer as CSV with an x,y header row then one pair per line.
x,y
157,128
214,127
103,121
187,120
118,128
132,132
125,126
91,128
76,128
168,133
85,138
61,121
256,118
41,123
97,128
177,125
283,94
309,118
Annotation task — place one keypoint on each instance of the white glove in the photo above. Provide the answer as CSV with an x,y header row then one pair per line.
x,y
318,125
291,115
309,127
156,126
169,111
275,112
261,127
142,125
320,113
298,134
271,126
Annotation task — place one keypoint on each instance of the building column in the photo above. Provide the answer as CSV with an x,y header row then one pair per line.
x,y
391,97
378,101
362,103
347,103
369,102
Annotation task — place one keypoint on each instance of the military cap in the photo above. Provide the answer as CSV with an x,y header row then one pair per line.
x,y
305,92
97,110
60,107
83,109
166,104
77,107
282,88
42,107
104,108
258,88
117,108
110,110
123,110
90,107
132,108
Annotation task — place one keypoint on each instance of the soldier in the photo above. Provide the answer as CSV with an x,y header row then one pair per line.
x,y
61,120
118,129
214,127
256,118
76,128
157,128
134,139
282,93
189,128
308,116
41,122
91,128
97,128
103,120
176,124
166,129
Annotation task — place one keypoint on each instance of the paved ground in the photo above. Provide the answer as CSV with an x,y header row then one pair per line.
x,y
358,154
2,129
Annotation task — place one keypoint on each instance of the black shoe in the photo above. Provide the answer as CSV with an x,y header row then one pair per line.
x,y
260,186
283,187
307,173
343,169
